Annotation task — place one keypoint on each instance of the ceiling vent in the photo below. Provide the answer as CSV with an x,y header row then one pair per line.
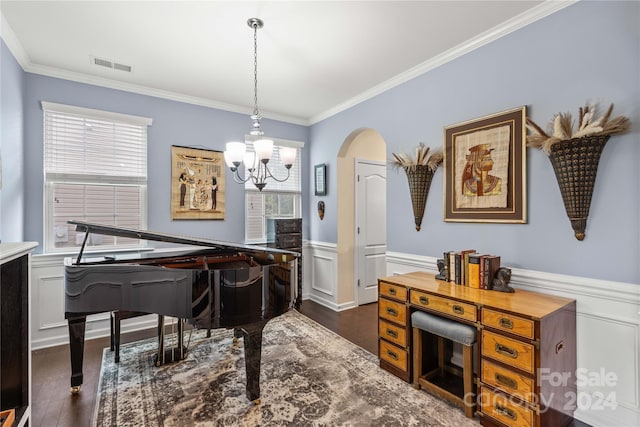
x,y
110,64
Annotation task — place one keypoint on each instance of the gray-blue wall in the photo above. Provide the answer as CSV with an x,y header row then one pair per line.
x,y
11,148
174,123
589,51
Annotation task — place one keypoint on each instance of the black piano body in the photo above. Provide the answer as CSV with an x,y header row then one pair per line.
x,y
219,286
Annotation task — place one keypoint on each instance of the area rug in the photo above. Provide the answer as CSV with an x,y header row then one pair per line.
x,y
310,376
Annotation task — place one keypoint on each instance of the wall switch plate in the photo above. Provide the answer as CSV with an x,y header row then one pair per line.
x,y
61,234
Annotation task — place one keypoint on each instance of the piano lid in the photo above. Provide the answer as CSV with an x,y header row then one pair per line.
x,y
109,230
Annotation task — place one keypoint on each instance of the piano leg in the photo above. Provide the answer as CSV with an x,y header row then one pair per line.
x,y
252,335
76,348
159,359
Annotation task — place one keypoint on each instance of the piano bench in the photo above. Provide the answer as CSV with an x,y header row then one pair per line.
x,y
433,381
116,318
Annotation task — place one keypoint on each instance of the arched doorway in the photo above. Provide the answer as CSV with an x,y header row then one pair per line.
x,y
361,144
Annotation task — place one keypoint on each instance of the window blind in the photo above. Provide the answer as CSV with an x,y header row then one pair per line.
x,y
95,166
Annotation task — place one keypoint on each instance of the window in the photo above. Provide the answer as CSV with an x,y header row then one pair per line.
x,y
95,168
277,199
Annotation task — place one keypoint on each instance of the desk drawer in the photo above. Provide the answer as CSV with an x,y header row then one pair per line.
x,y
508,323
509,381
394,355
444,305
392,291
503,409
393,333
392,310
512,352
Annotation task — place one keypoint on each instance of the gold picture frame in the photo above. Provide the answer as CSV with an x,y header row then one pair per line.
x,y
485,169
197,183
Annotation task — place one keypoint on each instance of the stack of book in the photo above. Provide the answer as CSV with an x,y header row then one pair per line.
x,y
470,268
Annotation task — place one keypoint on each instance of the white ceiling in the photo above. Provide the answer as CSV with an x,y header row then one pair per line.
x,y
315,58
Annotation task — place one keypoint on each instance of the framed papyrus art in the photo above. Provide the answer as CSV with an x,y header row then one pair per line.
x,y
197,183
485,169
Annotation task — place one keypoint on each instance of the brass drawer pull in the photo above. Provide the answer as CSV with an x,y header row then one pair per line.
x,y
392,291
506,381
392,312
506,351
457,309
392,333
424,300
392,355
501,410
506,323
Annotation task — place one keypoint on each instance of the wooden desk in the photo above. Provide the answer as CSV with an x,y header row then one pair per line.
x,y
526,345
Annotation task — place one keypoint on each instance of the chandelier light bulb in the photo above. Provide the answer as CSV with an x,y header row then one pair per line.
x,y
287,156
263,149
250,160
236,152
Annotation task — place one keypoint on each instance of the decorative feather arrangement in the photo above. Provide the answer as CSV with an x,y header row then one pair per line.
x,y
561,127
406,161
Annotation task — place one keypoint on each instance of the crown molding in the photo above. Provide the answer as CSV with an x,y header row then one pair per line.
x,y
534,14
12,42
544,9
144,90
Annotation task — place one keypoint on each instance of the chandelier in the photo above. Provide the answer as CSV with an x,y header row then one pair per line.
x,y
256,161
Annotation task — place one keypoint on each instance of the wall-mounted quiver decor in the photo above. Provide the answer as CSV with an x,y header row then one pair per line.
x,y
419,172
575,155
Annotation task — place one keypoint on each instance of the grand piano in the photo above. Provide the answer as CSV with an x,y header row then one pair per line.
x,y
215,285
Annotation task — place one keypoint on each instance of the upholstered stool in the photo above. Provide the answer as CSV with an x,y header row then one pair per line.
x,y
444,328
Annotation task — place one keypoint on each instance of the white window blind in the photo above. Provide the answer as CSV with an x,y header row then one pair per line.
x,y
95,166
277,199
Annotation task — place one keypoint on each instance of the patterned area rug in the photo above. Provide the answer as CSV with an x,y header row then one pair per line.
x,y
309,377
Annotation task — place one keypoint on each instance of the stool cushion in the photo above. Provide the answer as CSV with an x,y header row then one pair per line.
x,y
446,328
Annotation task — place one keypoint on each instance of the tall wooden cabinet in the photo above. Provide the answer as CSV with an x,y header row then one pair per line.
x,y
15,330
286,233
526,352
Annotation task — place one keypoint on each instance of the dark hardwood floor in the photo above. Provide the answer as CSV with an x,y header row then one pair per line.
x,y
54,405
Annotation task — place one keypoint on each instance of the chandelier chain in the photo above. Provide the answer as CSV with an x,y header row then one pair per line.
x,y
255,69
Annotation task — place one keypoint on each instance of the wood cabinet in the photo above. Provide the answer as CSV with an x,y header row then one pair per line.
x,y
393,329
15,330
286,233
526,351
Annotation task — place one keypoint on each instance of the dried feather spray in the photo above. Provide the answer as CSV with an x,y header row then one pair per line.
x,y
422,158
562,127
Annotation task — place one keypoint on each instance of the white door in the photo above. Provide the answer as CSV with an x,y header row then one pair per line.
x,y
371,228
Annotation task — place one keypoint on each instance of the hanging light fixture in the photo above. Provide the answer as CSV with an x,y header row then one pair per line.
x,y
256,162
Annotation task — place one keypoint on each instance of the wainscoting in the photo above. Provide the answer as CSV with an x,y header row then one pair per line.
x,y
608,328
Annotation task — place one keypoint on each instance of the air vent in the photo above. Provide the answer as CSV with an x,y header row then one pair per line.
x,y
110,64
122,67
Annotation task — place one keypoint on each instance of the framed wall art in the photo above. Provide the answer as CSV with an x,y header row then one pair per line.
x,y
485,169
320,179
197,183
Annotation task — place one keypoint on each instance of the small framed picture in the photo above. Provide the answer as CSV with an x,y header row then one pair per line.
x,y
321,179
